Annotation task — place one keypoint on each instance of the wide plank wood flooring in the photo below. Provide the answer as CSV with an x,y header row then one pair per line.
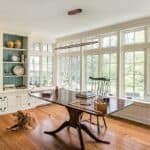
x,y
122,135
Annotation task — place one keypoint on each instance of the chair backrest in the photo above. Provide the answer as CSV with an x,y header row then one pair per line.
x,y
100,86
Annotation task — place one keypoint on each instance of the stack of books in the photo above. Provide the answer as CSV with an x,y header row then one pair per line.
x,y
85,94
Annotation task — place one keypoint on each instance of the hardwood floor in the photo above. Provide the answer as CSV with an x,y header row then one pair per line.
x,y
122,135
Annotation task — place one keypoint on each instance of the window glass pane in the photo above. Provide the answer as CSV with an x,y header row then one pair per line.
x,y
106,70
75,72
139,36
109,70
106,58
139,69
45,47
64,71
128,69
106,42
139,57
134,74
91,68
129,57
113,58
113,40
129,38
36,46
50,48
34,68
46,71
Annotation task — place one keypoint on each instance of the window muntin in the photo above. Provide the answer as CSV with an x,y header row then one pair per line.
x,y
134,37
134,74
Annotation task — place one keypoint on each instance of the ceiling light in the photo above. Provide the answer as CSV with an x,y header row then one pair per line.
x,y
75,11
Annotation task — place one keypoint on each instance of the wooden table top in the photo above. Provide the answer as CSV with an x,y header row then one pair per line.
x,y
68,98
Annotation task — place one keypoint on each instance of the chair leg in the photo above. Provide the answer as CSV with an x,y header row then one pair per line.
x,y
104,122
81,117
98,125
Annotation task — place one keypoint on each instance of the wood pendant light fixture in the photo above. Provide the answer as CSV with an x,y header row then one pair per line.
x,y
74,11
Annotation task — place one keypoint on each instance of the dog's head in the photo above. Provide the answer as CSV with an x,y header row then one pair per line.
x,y
19,114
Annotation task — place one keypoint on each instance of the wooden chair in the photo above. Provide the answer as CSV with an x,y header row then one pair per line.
x,y
100,87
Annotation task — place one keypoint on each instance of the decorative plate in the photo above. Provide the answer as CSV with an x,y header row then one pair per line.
x,y
18,70
15,58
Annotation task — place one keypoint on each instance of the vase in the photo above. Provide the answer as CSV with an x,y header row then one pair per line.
x,y
10,44
17,44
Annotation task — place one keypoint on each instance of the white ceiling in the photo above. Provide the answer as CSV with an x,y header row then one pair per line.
x,y
50,16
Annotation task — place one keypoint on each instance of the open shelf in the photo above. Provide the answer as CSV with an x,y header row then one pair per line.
x,y
14,49
13,62
7,76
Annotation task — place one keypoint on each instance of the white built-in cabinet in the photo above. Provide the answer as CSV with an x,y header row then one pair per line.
x,y
12,100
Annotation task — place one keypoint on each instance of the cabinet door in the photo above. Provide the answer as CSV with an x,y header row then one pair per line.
x,y
22,100
25,101
3,103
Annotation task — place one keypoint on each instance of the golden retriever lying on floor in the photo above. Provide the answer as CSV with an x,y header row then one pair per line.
x,y
24,120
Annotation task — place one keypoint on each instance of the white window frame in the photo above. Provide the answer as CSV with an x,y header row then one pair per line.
x,y
41,54
123,69
120,49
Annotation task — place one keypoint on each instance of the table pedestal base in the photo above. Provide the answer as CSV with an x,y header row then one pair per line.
x,y
74,121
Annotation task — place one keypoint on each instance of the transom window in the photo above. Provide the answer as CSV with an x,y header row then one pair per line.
x,y
109,41
133,37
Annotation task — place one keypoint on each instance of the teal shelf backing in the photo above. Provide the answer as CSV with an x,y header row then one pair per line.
x,y
17,81
8,67
11,37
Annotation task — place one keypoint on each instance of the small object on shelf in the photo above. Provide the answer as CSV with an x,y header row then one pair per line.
x,y
17,44
10,44
22,58
18,70
15,58
85,94
9,86
21,87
